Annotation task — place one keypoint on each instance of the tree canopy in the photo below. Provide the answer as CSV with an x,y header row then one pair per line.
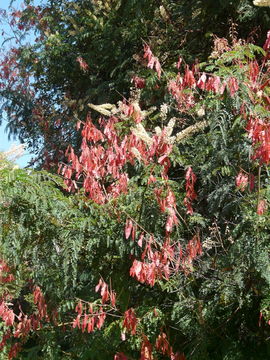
x,y
88,51
147,236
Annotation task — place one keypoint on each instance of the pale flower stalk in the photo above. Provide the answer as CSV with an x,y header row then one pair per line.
x,y
14,153
141,133
168,131
136,153
164,111
261,2
8,157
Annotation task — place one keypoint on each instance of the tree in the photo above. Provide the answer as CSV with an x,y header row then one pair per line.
x,y
155,243
168,252
88,52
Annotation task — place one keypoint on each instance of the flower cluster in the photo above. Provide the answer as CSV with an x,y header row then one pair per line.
x,y
261,2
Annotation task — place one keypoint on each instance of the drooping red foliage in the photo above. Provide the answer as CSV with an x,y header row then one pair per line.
x,y
152,61
241,181
190,191
146,349
130,321
262,207
138,82
162,344
259,131
19,325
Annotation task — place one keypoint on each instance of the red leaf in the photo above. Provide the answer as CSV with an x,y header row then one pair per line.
x,y
202,82
146,349
266,45
84,323
14,351
162,344
179,63
83,65
262,207
140,240
91,324
104,292
151,179
241,181
138,82
99,285
152,61
136,268
232,84
128,228
113,298
190,192
133,235
254,71
189,79
130,321
101,318
158,67
77,322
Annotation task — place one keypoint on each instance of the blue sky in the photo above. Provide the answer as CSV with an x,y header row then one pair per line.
x,y
5,143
